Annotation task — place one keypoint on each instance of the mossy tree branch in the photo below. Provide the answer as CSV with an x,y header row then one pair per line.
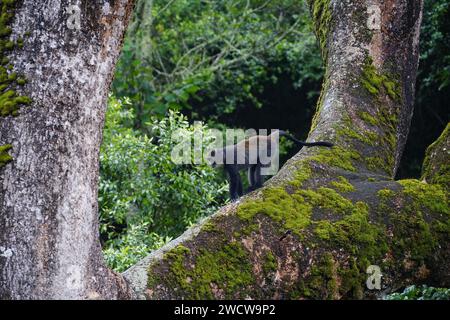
x,y
312,236
436,167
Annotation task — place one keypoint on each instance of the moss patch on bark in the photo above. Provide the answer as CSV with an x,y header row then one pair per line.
x,y
226,270
5,158
322,19
10,101
436,167
377,83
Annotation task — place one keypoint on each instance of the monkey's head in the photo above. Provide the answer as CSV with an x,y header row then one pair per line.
x,y
215,157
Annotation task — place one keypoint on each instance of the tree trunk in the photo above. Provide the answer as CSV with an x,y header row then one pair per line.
x,y
332,219
311,232
49,238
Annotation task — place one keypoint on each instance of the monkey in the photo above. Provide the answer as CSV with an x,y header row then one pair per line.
x,y
247,155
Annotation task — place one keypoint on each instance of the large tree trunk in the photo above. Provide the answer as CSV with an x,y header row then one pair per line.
x,y
49,246
311,232
316,227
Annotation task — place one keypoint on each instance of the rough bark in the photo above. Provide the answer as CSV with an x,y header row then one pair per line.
x,y
316,226
49,246
436,167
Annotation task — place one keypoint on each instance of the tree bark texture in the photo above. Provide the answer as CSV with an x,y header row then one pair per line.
x,y
330,217
49,236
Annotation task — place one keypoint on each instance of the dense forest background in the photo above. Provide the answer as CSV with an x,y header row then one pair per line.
x,y
230,64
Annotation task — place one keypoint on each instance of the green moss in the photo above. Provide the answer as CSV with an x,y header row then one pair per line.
x,y
352,280
337,157
348,132
343,185
442,176
386,122
353,231
368,241
412,234
402,232
289,209
365,241
322,18
432,197
302,173
228,269
322,281
9,100
436,168
396,231
385,194
5,158
210,227
270,263
379,163
368,118
327,198
248,229
376,83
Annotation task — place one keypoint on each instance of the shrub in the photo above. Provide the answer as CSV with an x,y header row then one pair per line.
x,y
145,199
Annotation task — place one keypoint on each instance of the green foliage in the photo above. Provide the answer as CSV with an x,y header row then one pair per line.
x,y
134,244
141,188
421,293
211,58
435,49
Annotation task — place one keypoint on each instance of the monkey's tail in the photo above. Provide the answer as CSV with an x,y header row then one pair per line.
x,y
303,143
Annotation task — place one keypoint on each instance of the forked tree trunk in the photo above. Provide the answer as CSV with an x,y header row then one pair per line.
x,y
49,236
331,220
310,233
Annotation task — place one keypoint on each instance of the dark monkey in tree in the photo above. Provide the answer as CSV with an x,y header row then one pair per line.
x,y
252,154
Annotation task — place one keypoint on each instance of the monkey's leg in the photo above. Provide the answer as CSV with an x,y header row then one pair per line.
x,y
258,178
233,175
239,185
251,178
